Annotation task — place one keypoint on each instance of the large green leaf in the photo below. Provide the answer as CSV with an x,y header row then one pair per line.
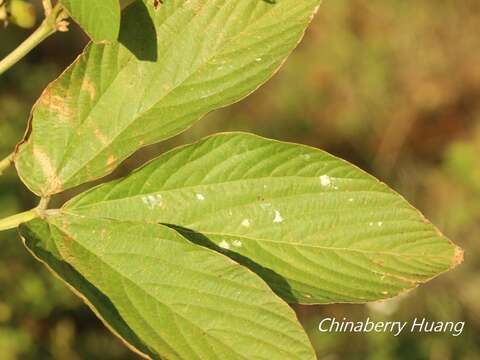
x,y
99,18
164,296
316,228
172,66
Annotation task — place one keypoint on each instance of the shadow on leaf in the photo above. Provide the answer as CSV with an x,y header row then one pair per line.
x,y
276,282
93,297
137,32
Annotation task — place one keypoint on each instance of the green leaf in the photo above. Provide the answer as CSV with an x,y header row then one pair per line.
x,y
164,296
315,227
99,18
171,67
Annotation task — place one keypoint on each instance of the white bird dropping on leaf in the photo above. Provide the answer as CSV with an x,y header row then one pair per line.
x,y
278,217
224,245
325,180
237,243
246,223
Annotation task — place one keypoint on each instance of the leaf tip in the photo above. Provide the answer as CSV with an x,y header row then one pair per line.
x,y
458,256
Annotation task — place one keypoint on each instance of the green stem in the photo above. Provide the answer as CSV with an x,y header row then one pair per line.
x,y
13,221
47,28
5,163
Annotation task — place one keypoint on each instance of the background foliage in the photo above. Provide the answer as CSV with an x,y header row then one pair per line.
x,y
393,87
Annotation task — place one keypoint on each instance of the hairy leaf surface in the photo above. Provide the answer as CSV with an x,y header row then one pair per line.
x,y
316,228
170,67
164,296
99,18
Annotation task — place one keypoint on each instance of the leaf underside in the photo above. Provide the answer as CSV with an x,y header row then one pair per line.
x,y
314,227
165,297
147,252
158,254
99,19
170,67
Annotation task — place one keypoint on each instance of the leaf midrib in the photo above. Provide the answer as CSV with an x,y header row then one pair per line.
x,y
328,248
222,183
263,240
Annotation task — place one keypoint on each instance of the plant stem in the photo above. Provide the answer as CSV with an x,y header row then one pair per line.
x,y
47,6
47,28
43,204
43,31
5,163
13,221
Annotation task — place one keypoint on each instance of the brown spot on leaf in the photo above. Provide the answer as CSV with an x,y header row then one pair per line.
x,y
100,136
111,160
458,256
89,87
48,169
157,3
380,263
56,104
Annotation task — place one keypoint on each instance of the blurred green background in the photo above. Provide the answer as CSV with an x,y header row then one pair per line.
x,y
392,86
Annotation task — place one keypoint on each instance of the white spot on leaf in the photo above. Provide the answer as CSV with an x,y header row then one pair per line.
x,y
237,243
224,245
380,223
246,223
325,180
200,197
258,59
278,217
153,201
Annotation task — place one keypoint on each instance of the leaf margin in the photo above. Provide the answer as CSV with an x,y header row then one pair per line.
x,y
287,311
457,253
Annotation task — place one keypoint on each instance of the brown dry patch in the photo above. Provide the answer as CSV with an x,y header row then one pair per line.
x,y
196,7
89,87
111,160
48,169
56,104
157,3
100,136
458,256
